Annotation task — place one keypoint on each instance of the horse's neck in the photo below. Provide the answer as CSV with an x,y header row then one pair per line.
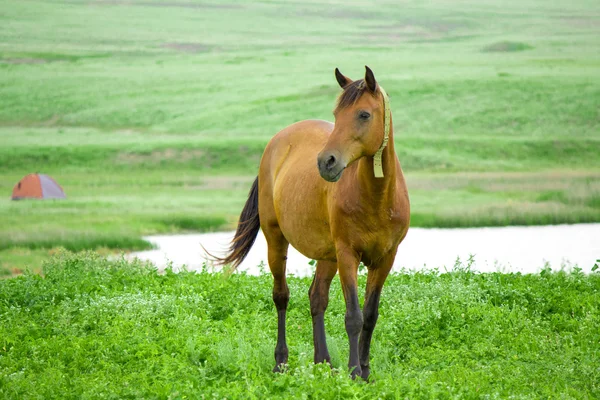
x,y
379,189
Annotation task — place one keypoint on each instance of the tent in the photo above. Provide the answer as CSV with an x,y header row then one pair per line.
x,y
37,186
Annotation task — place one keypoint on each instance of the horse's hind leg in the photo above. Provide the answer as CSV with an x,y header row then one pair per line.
x,y
319,298
278,247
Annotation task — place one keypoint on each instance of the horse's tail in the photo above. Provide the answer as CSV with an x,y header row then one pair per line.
x,y
247,229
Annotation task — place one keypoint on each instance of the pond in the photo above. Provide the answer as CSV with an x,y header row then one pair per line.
x,y
525,249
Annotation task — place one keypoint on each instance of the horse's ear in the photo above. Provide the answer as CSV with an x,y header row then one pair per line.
x,y
342,80
370,80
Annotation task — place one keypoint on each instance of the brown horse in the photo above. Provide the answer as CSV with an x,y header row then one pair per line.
x,y
337,194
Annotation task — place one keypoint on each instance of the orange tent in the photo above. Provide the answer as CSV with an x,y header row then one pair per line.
x,y
37,186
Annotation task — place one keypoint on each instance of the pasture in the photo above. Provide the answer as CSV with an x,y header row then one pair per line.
x,y
153,114
98,329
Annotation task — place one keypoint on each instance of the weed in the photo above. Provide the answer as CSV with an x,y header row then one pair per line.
x,y
96,328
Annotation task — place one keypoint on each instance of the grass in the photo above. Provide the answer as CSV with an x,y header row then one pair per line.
x,y
158,125
92,328
74,241
507,47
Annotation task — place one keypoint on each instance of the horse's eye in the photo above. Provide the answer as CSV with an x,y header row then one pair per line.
x,y
363,115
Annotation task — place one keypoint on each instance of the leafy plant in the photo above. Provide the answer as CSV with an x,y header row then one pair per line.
x,y
95,328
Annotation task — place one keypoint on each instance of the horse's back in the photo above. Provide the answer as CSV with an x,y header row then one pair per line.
x,y
293,196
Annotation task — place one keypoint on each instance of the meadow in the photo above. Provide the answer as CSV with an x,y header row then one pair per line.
x,y
153,114
92,328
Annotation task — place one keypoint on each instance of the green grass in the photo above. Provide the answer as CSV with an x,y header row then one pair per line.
x,y
17,260
91,328
153,114
74,241
507,47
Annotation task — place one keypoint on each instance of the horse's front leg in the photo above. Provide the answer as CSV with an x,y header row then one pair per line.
x,y
319,298
375,280
348,261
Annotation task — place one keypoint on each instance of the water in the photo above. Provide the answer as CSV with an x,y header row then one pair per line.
x,y
506,249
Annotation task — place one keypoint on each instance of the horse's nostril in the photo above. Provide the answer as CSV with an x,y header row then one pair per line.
x,y
330,162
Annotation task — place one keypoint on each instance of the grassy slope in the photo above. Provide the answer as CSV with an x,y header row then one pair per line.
x,y
94,329
136,107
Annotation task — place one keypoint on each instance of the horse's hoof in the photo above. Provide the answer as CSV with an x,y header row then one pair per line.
x,y
324,361
365,374
356,372
280,368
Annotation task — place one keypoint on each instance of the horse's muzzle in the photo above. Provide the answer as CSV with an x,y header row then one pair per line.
x,y
330,166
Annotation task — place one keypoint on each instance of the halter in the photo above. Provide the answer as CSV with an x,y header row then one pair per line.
x,y
387,112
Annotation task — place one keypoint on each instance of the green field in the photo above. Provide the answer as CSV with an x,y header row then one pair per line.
x,y
93,329
153,114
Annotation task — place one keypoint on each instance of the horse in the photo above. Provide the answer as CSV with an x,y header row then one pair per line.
x,y
336,192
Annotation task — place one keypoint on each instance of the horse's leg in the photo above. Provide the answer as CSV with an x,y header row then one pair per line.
x,y
375,280
319,298
277,254
348,267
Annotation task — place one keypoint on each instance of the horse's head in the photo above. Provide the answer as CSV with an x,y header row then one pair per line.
x,y
359,125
